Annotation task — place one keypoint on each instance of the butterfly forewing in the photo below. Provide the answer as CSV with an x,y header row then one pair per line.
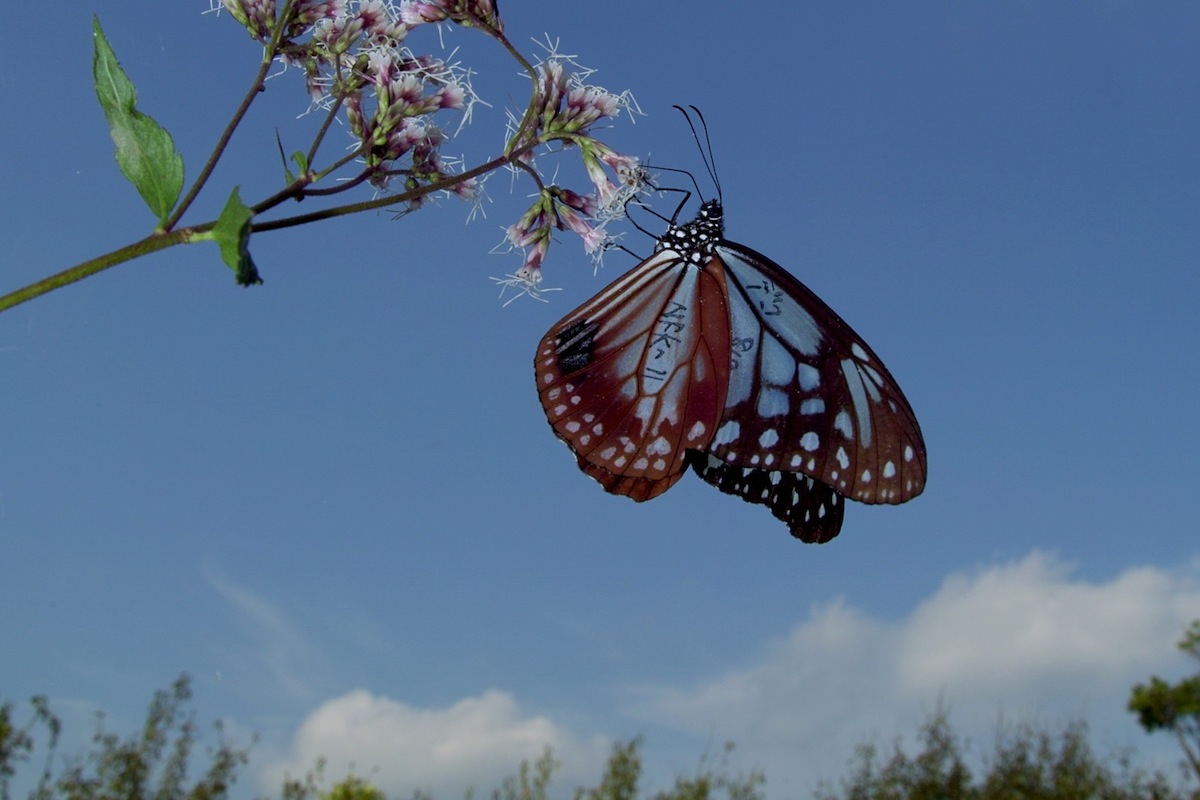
x,y
806,393
636,375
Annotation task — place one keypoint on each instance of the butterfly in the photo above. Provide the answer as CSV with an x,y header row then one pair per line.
x,y
708,355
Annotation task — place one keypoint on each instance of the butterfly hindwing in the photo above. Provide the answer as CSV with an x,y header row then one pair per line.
x,y
806,393
812,511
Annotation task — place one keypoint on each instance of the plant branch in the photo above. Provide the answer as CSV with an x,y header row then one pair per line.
x,y
382,202
298,189
257,87
320,137
533,76
156,241
160,240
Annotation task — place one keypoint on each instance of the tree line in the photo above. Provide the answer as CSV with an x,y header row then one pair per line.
x,y
1026,762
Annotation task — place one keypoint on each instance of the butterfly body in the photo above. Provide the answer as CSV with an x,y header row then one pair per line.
x,y
709,355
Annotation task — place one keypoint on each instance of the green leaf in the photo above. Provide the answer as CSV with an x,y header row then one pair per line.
x,y
145,152
232,233
283,160
301,160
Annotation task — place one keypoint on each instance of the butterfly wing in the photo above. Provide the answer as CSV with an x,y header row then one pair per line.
x,y
812,511
806,394
638,374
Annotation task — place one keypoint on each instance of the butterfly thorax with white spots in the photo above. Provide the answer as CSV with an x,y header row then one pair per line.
x,y
694,241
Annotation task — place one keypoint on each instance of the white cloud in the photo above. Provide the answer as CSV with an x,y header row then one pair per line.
x,y
1025,640
476,742
1014,625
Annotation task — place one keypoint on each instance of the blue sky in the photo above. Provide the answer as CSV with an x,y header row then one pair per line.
x,y
335,502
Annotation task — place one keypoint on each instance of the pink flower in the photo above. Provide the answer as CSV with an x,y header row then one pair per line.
x,y
258,16
415,13
381,67
452,96
535,256
379,23
310,11
469,189
531,273
406,90
593,237
583,203
372,14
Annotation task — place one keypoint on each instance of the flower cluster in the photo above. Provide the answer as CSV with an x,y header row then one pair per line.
x,y
355,61
390,114
353,56
565,111
468,13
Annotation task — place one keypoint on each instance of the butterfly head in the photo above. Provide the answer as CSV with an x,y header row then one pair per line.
x,y
694,240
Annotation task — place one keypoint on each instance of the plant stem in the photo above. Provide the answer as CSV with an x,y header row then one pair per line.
x,y
255,88
390,200
151,244
161,240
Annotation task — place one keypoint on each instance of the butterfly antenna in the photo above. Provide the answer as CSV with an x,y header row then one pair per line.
x,y
705,147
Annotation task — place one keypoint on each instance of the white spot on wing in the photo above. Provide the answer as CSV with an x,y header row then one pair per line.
x,y
772,402
842,423
645,410
810,441
808,377
728,432
813,405
697,430
769,438
875,379
659,447
777,363
858,393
